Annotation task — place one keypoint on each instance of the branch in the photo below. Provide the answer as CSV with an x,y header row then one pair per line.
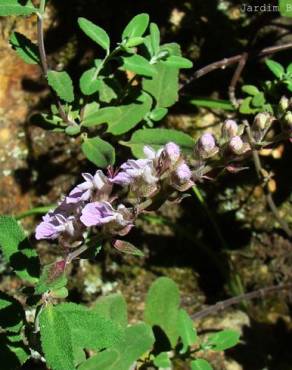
x,y
235,79
220,306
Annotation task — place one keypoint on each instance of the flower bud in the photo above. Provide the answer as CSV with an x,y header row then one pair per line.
x,y
287,121
172,150
237,146
206,146
284,104
262,120
229,128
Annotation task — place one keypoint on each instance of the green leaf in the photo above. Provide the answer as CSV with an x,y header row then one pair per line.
x,y
113,307
222,340
186,330
178,62
56,339
200,364
128,116
99,152
258,100
156,138
14,7
89,329
96,33
138,64
136,27
138,340
157,114
52,277
162,307
245,107
62,84
289,69
162,360
128,248
154,38
276,68
285,8
108,90
17,250
163,86
94,116
134,41
89,84
12,314
250,89
73,130
212,103
25,49
13,352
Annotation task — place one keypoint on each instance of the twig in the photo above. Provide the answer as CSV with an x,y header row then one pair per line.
x,y
235,79
220,306
223,63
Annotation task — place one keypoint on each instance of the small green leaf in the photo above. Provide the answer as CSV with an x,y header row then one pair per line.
x,y
128,248
156,138
276,68
13,352
186,330
108,90
245,107
250,89
157,114
223,340
258,100
285,8
14,7
60,293
113,307
212,103
12,314
25,49
94,116
289,69
72,130
17,250
134,41
154,38
136,27
52,277
162,307
96,33
56,339
62,84
138,64
178,62
99,152
162,360
89,84
200,364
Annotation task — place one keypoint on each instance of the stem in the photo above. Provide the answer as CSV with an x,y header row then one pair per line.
x,y
235,79
42,6
35,211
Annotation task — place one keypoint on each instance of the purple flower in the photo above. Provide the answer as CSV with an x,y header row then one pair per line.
x,y
172,150
54,225
97,185
229,128
206,146
181,178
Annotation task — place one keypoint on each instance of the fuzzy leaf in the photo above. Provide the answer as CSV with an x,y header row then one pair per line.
x,y
108,90
212,103
14,7
245,107
62,84
162,307
17,250
138,64
89,329
138,340
258,100
178,62
158,113
201,364
154,38
25,49
94,116
162,361
11,313
52,277
136,27
56,339
156,138
113,307
99,152
89,84
276,68
250,89
223,340
96,33
186,330
128,248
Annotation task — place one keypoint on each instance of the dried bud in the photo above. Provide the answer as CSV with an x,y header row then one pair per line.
x,y
229,128
262,121
283,104
237,146
206,146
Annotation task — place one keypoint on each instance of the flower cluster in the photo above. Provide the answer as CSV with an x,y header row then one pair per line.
x,y
92,204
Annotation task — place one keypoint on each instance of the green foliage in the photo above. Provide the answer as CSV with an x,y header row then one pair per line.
x,y
52,278
62,84
162,307
162,360
17,251
186,330
200,364
158,114
156,138
99,152
11,314
138,340
13,352
89,84
222,340
212,103
96,33
136,27
15,7
113,307
25,49
138,64
276,68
